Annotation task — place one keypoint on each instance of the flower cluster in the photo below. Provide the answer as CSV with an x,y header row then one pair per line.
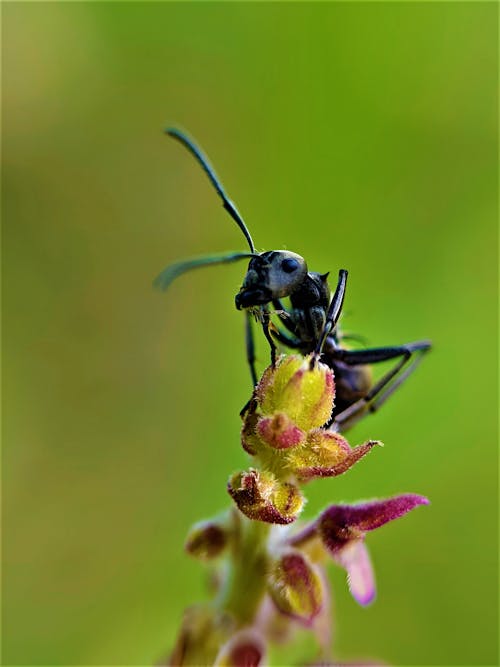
x,y
284,429
271,576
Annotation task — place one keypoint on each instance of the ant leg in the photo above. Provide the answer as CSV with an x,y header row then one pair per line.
x,y
376,355
284,339
382,389
284,317
279,335
357,338
267,334
391,388
250,347
332,315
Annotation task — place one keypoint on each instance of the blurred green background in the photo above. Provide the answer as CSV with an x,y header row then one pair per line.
x,y
362,136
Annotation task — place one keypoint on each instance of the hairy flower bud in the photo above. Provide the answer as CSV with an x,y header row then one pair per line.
x,y
326,454
283,423
245,649
202,632
206,539
262,497
302,393
279,431
295,587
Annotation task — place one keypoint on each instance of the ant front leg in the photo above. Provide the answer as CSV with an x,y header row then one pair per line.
x,y
266,321
250,343
332,316
387,384
284,339
285,318
250,347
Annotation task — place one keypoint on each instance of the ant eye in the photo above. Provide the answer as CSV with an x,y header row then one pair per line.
x,y
289,265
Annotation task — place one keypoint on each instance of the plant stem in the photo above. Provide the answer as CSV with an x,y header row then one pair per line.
x,y
245,582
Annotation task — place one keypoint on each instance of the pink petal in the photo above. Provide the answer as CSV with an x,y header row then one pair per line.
x,y
354,558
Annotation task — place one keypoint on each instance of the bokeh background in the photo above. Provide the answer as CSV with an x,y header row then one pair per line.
x,y
360,135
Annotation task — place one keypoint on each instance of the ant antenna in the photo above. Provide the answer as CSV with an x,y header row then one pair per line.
x,y
173,271
209,170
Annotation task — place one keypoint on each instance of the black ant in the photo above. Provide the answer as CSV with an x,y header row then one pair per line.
x,y
310,323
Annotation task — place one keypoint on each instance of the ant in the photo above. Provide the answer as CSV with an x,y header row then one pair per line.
x,y
310,324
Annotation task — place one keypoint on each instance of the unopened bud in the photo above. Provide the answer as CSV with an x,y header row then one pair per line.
x,y
245,649
206,539
295,587
262,497
303,393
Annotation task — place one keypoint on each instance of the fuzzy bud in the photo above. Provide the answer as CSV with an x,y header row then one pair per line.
x,y
295,587
206,539
260,496
245,649
302,393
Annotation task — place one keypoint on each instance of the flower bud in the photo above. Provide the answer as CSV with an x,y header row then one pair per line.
x,y
206,539
326,454
244,649
295,587
260,496
279,431
302,393
202,632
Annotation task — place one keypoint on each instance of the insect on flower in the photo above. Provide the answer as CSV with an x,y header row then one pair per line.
x,y
310,324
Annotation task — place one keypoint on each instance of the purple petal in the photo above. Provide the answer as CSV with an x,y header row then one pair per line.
x,y
342,522
355,559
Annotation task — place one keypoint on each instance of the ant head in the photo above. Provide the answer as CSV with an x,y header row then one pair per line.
x,y
271,275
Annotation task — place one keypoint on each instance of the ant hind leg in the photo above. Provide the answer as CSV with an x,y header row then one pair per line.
x,y
387,384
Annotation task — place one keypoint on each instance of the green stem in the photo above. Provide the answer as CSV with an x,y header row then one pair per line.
x,y
246,582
